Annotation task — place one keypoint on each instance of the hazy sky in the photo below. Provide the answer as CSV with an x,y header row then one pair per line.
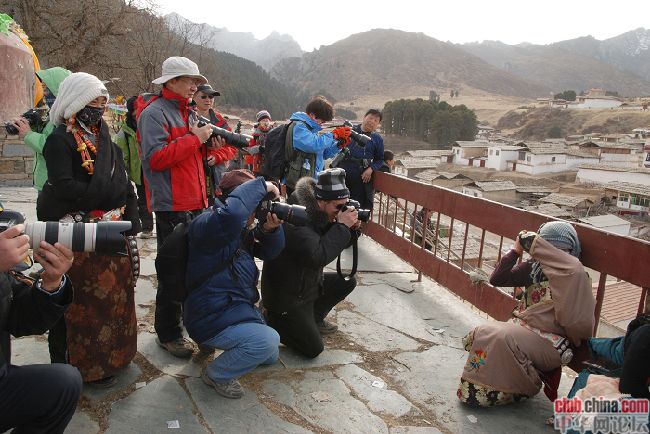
x,y
459,21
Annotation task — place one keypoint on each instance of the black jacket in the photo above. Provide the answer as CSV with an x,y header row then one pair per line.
x,y
295,277
70,188
26,310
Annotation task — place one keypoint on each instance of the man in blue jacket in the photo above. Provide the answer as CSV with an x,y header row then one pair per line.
x,y
363,160
315,147
221,312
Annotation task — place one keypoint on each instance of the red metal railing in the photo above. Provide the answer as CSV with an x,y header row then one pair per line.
x,y
467,235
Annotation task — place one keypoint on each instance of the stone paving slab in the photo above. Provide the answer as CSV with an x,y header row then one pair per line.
x,y
82,423
125,378
372,258
371,335
164,361
30,350
374,391
414,430
431,379
147,410
329,357
405,282
325,401
145,297
147,266
235,416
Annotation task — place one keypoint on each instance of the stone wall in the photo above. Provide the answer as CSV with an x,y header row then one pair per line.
x,y
16,161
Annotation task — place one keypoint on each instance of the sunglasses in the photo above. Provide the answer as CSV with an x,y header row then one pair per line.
x,y
207,96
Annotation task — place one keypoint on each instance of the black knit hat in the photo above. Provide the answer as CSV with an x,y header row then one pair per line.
x,y
331,185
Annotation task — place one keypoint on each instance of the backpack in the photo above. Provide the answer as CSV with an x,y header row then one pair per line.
x,y
171,265
282,160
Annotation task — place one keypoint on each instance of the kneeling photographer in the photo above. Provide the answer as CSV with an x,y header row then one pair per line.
x,y
220,311
297,295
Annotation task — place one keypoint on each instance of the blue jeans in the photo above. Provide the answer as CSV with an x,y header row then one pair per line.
x,y
245,346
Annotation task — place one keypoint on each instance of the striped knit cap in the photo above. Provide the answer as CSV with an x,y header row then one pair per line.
x,y
561,235
331,185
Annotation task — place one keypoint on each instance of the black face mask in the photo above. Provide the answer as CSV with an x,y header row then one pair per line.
x,y
90,116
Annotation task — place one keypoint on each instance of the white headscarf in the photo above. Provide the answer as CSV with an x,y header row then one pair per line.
x,y
75,92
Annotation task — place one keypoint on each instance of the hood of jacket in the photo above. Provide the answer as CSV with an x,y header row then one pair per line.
x,y
52,77
302,116
304,195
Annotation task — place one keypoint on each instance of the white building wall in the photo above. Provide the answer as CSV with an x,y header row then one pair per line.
x,y
596,104
572,161
500,162
595,176
621,160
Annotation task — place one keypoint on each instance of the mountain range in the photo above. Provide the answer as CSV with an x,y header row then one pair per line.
x,y
394,63
265,52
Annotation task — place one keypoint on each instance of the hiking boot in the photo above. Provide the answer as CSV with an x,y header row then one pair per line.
x,y
231,389
205,351
326,327
180,347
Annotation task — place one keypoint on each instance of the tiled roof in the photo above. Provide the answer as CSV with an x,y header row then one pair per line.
x,y
604,221
549,209
621,301
431,174
496,185
533,189
417,163
628,187
592,166
472,144
565,199
424,153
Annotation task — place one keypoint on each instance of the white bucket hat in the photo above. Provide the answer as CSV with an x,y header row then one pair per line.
x,y
174,67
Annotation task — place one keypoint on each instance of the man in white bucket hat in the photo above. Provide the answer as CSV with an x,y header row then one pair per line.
x,y
172,163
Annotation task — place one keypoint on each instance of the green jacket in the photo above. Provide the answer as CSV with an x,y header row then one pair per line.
x,y
126,140
52,78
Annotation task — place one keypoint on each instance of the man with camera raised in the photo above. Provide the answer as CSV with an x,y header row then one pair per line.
x,y
220,310
172,162
362,160
297,295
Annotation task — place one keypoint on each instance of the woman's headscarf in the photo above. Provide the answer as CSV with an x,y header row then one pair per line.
x,y
561,235
75,92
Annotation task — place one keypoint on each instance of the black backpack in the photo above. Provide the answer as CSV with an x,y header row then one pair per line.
x,y
171,265
281,159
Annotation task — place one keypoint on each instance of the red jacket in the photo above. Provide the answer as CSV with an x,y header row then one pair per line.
x,y
171,155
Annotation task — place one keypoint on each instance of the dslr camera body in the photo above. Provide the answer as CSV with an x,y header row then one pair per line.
x,y
34,118
363,214
103,237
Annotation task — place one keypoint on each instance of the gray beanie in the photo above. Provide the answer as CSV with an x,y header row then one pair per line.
x,y
330,185
75,92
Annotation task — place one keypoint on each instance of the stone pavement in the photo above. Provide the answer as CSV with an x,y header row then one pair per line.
x,y
392,368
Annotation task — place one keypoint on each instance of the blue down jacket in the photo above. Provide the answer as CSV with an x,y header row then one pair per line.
x,y
217,236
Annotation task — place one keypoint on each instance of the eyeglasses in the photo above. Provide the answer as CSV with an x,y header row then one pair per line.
x,y
207,96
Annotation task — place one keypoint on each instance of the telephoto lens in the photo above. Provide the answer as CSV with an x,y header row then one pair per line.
x,y
361,139
294,214
105,238
233,139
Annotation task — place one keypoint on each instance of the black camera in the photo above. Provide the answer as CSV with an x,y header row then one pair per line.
x,y
233,139
361,139
33,117
362,214
294,214
103,237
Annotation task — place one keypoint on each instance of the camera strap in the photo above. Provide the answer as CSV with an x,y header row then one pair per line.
x,y
355,261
